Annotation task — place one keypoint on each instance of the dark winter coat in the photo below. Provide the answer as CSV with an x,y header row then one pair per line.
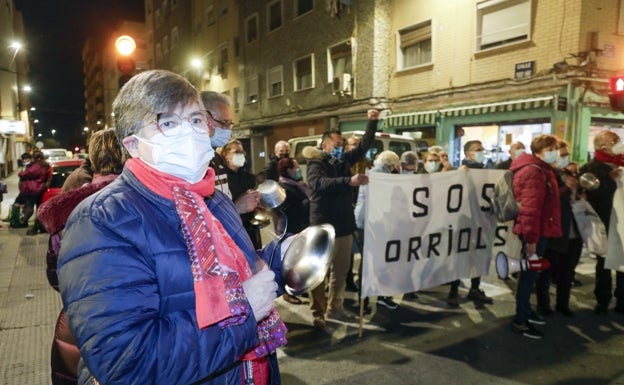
x,y
568,223
328,177
601,199
536,189
32,181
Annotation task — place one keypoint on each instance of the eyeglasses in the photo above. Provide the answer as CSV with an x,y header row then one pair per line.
x,y
228,124
166,122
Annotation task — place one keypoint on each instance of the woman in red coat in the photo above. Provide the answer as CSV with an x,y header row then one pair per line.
x,y
535,188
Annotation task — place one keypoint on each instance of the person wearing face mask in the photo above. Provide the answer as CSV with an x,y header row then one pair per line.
x,y
387,162
562,252
432,163
296,206
473,151
608,157
242,183
218,107
281,151
158,281
536,189
515,149
409,162
331,182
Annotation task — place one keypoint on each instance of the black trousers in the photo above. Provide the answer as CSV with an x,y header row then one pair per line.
x,y
604,285
561,270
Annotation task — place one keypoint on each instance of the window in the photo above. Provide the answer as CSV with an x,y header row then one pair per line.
x,y
303,73
274,15
223,60
157,18
236,45
211,16
275,81
236,98
165,44
502,22
252,89
340,60
175,37
251,29
303,6
159,52
414,46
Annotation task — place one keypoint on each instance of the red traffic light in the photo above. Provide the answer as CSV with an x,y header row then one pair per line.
x,y
616,83
126,64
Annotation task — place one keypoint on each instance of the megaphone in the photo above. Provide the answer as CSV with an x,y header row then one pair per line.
x,y
506,266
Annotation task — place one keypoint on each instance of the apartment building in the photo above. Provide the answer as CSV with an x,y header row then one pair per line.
x,y
16,131
505,70
443,72
102,77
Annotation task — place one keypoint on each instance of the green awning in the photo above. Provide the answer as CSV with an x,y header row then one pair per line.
x,y
417,118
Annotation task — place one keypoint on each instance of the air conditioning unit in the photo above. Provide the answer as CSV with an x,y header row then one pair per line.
x,y
342,84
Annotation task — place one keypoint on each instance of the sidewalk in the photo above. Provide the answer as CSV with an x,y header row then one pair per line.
x,y
28,305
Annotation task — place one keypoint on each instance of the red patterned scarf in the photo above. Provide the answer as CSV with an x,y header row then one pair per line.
x,y
217,263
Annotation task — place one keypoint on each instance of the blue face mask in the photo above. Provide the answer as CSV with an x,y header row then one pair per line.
x,y
338,152
297,175
220,137
551,157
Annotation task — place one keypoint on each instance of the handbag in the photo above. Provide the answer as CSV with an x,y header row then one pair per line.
x,y
593,231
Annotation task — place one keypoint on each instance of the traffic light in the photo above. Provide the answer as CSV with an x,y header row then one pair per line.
x,y
125,46
616,97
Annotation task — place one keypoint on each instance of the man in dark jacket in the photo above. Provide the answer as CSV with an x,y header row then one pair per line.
x,y
608,157
329,176
473,150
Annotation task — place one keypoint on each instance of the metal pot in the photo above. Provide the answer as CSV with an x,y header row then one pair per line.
x,y
589,181
272,195
306,260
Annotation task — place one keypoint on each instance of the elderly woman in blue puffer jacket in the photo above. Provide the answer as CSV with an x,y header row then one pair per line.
x,y
159,280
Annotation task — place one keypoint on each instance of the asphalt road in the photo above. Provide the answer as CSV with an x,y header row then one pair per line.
x,y
422,342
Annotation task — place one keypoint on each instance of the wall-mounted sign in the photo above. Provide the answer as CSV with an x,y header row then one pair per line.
x,y
524,70
12,127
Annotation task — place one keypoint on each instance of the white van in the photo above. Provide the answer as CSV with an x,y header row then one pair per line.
x,y
54,154
383,141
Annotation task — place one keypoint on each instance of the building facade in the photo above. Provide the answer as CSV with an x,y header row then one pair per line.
x,y
442,72
16,134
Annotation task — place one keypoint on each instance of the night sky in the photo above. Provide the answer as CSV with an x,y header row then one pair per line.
x,y
55,32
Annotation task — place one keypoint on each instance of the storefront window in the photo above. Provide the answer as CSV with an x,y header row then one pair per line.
x,y
497,139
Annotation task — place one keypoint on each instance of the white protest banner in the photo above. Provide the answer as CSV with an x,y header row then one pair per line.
x,y
614,259
425,230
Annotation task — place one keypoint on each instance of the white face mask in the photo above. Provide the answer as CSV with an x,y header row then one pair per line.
x,y
479,156
551,157
563,161
185,154
432,166
519,152
238,160
618,148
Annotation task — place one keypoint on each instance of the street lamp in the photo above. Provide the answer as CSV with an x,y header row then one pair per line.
x,y
16,45
53,132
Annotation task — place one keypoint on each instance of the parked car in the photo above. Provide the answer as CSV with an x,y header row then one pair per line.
x,y
54,154
60,170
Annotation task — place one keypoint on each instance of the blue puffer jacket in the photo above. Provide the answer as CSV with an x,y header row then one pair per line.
x,y
127,287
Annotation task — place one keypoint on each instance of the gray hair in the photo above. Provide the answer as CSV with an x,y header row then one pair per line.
x,y
388,158
211,99
280,144
409,158
148,94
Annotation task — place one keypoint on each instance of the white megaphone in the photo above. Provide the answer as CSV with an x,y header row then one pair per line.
x,y
506,266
